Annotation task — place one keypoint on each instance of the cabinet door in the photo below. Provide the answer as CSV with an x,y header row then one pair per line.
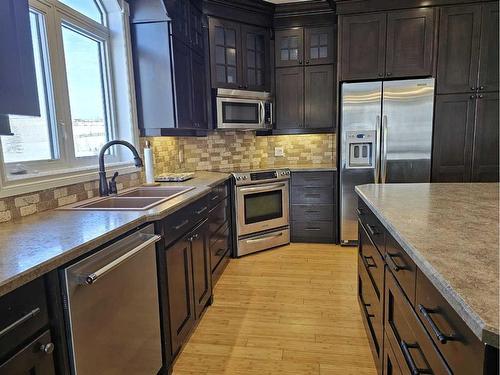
x,y
180,292
255,48
225,54
34,359
179,13
182,78
453,133
458,58
486,146
290,98
319,96
199,93
319,46
488,63
196,30
390,363
289,47
202,271
19,93
362,46
410,43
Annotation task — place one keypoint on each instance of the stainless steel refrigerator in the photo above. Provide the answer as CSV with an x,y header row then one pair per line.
x,y
386,137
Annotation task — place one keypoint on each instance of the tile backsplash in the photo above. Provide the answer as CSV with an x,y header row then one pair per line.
x,y
241,150
218,151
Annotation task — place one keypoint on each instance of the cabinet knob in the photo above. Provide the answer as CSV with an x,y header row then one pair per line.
x,y
480,96
47,348
240,86
307,62
472,96
473,88
381,74
389,74
300,62
481,87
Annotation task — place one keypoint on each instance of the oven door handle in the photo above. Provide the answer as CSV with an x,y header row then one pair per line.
x,y
262,188
264,237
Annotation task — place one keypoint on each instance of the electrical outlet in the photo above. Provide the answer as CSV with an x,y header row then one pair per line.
x,y
279,151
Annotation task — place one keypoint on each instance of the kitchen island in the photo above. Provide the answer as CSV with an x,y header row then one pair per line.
x,y
437,244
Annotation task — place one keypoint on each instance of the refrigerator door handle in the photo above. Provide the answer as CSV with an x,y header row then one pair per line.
x,y
383,159
376,170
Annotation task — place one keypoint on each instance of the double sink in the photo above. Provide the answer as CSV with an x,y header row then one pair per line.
x,y
142,198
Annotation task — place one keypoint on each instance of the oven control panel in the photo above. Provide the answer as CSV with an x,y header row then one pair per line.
x,y
261,176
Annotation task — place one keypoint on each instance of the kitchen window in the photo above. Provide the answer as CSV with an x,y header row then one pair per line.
x,y
85,91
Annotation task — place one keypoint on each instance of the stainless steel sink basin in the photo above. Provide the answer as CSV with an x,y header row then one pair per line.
x,y
137,199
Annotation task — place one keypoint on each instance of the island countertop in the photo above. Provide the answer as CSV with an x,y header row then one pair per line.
x,y
451,233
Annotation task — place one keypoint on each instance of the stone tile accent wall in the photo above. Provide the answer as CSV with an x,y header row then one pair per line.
x,y
28,204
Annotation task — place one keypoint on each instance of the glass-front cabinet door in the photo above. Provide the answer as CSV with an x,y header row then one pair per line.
x,y
225,53
319,46
289,47
255,48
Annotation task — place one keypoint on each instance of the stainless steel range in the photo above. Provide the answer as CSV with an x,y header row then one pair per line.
x,y
262,210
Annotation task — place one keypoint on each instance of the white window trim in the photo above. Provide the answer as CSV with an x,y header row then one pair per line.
x,y
122,92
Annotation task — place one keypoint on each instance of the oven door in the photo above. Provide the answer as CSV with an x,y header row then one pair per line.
x,y
262,207
233,113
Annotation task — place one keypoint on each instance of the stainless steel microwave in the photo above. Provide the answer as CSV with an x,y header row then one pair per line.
x,y
244,110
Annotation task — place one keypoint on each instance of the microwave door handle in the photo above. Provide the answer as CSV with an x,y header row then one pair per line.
x,y
262,119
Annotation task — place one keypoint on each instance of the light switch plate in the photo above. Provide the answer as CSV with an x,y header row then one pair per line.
x,y
279,151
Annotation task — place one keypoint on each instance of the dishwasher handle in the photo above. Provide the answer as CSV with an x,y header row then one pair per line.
x,y
91,278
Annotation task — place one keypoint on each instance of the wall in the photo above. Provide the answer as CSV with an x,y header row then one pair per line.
x,y
219,151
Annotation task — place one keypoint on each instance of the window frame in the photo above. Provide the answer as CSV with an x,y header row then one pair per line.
x,y
57,15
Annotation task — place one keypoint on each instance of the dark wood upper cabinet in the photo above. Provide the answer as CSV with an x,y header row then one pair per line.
x,y
488,65
196,35
362,45
255,59
290,98
199,115
182,81
225,53
239,55
289,47
319,96
179,13
453,133
459,42
485,162
19,94
180,292
410,42
319,45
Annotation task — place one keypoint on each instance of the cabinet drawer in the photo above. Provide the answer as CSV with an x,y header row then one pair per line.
x,y
313,179
23,313
373,226
373,262
372,313
312,195
317,212
217,218
313,231
402,267
32,359
220,246
460,347
411,344
218,193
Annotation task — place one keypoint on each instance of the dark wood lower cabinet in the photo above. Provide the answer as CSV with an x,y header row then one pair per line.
x,y
202,272
390,364
180,292
34,359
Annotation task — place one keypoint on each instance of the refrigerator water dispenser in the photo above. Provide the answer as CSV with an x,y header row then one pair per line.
x,y
361,146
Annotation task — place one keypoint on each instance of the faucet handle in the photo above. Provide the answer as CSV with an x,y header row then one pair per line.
x,y
112,184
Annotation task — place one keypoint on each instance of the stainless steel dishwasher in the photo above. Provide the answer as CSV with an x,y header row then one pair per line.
x,y
112,308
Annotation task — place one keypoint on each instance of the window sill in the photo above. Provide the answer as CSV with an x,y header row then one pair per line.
x,y
29,183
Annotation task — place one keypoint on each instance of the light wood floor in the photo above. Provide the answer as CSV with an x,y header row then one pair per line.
x,y
291,310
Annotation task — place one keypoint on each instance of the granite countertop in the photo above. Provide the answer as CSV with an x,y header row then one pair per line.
x,y
37,244
451,232
309,167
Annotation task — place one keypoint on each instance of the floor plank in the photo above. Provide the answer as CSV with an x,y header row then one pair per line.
x,y
291,310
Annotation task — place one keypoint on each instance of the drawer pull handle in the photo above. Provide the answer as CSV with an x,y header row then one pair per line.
x,y
201,210
215,197
20,321
312,212
391,263
359,211
368,264
367,305
373,230
311,229
220,251
443,339
311,195
409,360
181,224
